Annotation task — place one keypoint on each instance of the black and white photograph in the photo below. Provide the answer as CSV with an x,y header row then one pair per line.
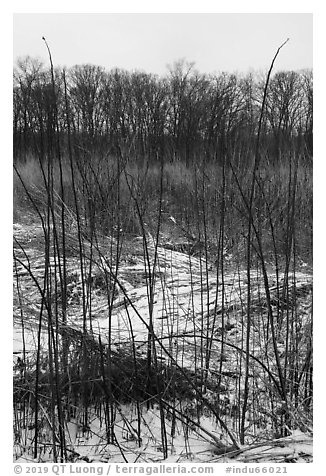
x,y
162,241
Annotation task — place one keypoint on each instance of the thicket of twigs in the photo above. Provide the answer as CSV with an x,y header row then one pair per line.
x,y
234,200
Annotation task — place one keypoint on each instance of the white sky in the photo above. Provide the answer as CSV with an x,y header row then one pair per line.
x,y
151,41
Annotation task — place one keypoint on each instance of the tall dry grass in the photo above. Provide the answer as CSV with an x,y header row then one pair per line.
x,y
182,188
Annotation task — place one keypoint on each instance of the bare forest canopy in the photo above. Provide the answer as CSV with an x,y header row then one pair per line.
x,y
183,115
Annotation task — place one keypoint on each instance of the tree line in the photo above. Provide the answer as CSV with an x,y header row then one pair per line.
x,y
179,115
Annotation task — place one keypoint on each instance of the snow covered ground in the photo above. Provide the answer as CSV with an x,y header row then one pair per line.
x,y
188,304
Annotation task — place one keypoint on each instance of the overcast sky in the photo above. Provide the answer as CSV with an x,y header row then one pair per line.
x,y
151,41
